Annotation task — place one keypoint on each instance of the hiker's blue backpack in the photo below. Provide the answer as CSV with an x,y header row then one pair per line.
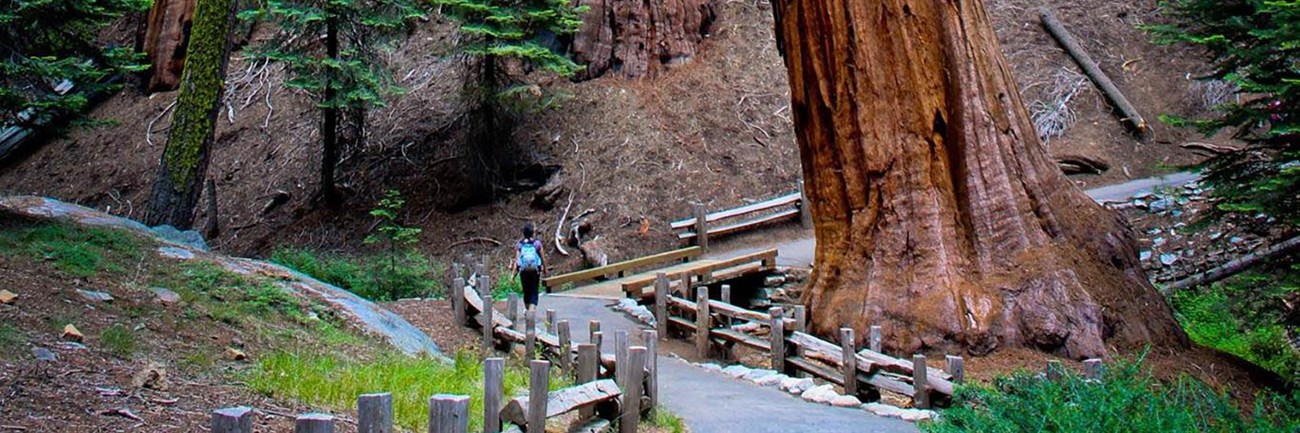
x,y
529,259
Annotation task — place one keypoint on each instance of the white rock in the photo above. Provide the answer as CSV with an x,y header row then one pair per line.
x,y
93,296
709,366
882,409
756,374
175,253
773,380
846,401
820,394
736,371
915,415
796,385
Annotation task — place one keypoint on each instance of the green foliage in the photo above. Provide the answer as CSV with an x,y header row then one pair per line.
x,y
506,282
43,42
10,339
376,277
1247,316
195,120
78,251
118,340
332,380
1127,400
229,297
390,229
1253,45
666,421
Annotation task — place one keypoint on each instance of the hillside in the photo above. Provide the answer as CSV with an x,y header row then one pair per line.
x,y
715,131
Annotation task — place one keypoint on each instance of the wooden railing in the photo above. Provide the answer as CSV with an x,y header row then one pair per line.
x,y
721,270
703,226
621,268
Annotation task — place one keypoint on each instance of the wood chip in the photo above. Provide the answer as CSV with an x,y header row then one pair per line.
x,y
7,297
122,412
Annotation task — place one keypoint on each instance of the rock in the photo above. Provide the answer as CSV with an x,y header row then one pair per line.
x,y
234,354
1142,195
774,280
1157,242
175,253
846,401
915,415
1236,240
189,238
882,409
820,394
773,380
1144,255
7,297
71,333
152,376
93,296
166,296
796,385
709,366
736,371
71,346
756,374
1216,235
43,354
1161,205
1168,259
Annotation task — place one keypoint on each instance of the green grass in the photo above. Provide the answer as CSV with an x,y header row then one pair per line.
x,y
226,296
335,381
665,420
118,340
10,339
505,283
378,277
1127,400
77,251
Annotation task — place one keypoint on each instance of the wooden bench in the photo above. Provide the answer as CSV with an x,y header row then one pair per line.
x,y
685,254
761,261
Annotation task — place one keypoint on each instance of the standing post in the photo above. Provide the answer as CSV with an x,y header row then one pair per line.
x,y
631,416
920,383
702,325
375,413
800,325
661,303
485,284
232,420
620,358
701,227
455,271
449,413
487,321
314,423
550,321
652,366
875,339
566,345
1092,369
530,333
512,309
458,300
778,339
805,208
956,367
850,361
594,326
538,383
493,390
588,366
726,297
597,339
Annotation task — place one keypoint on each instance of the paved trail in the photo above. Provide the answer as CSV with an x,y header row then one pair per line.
x,y
710,402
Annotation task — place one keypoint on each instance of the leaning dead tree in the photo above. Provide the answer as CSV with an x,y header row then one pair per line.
x,y
938,214
1094,72
1271,254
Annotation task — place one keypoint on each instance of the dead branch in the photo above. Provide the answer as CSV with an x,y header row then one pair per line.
x,y
1089,66
1077,164
475,239
1216,149
1239,265
559,227
148,129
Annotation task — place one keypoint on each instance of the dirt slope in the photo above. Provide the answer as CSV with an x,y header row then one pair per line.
x,y
715,131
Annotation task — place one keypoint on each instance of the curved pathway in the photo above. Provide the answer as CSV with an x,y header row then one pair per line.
x,y
711,402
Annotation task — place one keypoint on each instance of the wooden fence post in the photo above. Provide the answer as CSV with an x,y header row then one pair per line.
x,y
487,321
620,358
652,366
805,208
455,271
778,339
538,384
493,393
632,392
597,338
701,227
588,367
920,383
594,325
530,333
375,413
314,423
956,367
486,283
661,303
875,339
458,301
566,346
232,420
703,323
726,297
850,361
449,413
800,325
550,321
512,309
1092,369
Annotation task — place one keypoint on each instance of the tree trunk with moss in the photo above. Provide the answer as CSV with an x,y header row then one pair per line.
x,y
165,40
185,159
938,214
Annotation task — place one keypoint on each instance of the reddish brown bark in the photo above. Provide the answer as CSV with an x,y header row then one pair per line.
x,y
165,41
635,38
938,214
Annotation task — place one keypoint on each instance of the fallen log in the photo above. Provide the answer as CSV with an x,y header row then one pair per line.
x,y
1078,164
1239,265
546,196
1216,149
564,400
1089,66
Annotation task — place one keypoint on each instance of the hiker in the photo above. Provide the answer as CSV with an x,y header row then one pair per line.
x,y
529,265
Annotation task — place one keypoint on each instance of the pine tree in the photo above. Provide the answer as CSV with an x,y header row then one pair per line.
x,y
45,42
1254,45
344,71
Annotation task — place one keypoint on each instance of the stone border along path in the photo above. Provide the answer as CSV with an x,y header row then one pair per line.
x,y
711,402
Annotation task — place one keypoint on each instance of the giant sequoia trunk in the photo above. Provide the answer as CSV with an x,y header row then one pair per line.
x,y
635,37
938,214
164,42
185,159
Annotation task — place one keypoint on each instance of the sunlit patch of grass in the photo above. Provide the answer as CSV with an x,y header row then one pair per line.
x,y
666,421
118,340
10,339
75,250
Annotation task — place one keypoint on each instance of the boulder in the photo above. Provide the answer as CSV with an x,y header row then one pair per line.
x,y
165,296
773,380
796,385
756,374
43,354
846,401
823,394
93,296
737,371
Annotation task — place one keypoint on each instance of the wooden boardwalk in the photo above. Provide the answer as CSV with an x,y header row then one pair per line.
x,y
641,285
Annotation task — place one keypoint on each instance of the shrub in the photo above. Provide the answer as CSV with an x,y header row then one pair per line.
x,y
118,340
375,277
1245,316
1127,400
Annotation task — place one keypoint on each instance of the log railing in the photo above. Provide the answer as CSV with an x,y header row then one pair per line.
x,y
702,226
621,268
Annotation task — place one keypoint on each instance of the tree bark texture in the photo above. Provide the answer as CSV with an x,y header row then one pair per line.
x,y
164,42
185,158
329,159
634,38
938,214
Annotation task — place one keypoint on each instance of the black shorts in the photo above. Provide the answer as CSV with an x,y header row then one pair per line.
x,y
530,280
